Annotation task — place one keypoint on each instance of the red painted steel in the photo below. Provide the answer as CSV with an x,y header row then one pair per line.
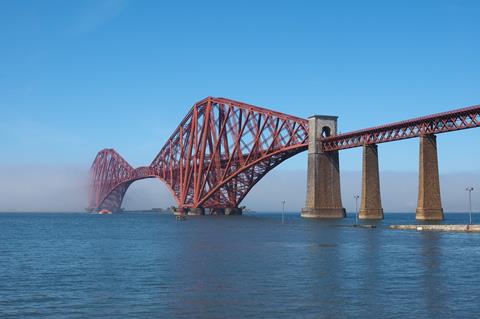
x,y
220,150
433,124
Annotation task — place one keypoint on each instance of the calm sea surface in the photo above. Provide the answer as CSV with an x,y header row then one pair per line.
x,y
148,265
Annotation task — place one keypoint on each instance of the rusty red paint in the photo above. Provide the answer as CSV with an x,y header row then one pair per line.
x,y
220,150
433,124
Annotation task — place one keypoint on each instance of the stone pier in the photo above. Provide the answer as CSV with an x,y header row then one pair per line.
x,y
233,211
429,202
371,205
196,211
217,211
323,176
180,211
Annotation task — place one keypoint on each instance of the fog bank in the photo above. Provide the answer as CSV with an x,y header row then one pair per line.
x,y
65,189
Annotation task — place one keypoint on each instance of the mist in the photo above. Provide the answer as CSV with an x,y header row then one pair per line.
x,y
43,188
399,191
25,188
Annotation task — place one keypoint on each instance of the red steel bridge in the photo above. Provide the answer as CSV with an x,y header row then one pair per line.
x,y
222,148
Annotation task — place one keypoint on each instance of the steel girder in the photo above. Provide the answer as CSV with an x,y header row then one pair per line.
x,y
110,177
220,150
433,124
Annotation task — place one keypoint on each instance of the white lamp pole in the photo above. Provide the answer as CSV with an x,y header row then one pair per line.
x,y
356,208
283,211
469,190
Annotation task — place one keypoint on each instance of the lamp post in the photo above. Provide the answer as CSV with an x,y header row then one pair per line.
x,y
469,190
356,208
283,211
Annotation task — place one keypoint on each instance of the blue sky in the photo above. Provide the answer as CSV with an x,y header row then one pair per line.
x,y
79,76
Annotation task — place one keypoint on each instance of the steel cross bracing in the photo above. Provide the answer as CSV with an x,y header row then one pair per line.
x,y
222,148
216,155
433,124
110,177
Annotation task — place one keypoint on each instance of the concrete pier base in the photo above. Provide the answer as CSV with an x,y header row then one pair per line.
x,y
196,211
429,202
323,212
371,204
217,211
323,176
180,211
233,211
445,228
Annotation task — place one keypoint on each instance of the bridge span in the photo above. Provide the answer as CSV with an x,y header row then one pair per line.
x,y
218,152
222,148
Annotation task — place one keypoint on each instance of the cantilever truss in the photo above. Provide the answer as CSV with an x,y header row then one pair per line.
x,y
222,148
216,155
433,124
110,177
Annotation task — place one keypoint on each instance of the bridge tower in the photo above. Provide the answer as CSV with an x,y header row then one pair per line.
x,y
323,176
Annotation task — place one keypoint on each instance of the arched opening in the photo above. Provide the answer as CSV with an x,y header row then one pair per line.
x,y
326,131
148,194
277,185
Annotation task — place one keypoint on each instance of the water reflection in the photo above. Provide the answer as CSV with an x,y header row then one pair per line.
x,y
369,271
433,277
150,265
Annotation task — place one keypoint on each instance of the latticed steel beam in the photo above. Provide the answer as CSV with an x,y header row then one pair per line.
x,y
433,124
220,150
108,170
110,177
223,147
